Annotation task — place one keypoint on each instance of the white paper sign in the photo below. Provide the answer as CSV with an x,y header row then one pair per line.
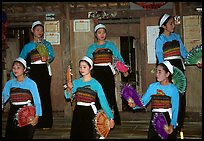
x,y
52,37
82,25
152,34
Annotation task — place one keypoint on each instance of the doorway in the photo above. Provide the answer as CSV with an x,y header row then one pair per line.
x,y
127,50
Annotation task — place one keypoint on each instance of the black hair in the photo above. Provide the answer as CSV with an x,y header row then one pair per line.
x,y
161,29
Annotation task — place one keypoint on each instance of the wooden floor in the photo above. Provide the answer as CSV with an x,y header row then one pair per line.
x,y
134,126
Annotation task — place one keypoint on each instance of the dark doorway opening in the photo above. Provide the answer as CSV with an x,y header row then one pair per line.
x,y
21,33
128,54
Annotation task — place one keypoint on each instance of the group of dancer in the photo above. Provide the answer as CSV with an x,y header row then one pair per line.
x,y
102,54
95,89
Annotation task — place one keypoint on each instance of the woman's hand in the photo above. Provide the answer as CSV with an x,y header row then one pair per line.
x,y
131,104
169,129
199,64
125,74
68,86
44,58
111,123
34,121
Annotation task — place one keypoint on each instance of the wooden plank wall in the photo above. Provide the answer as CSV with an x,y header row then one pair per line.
x,y
79,42
194,89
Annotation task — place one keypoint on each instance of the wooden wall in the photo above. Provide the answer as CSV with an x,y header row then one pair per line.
x,y
146,75
79,42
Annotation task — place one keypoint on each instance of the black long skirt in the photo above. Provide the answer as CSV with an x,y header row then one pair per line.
x,y
13,131
182,97
39,73
83,126
106,78
152,134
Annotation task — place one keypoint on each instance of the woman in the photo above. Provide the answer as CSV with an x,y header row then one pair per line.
x,y
40,70
103,54
164,98
85,90
169,46
21,92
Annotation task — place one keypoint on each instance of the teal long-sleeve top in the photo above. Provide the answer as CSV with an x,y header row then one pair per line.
x,y
170,90
28,84
32,45
162,39
95,86
108,45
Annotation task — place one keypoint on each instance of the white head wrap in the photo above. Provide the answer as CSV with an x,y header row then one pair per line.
x,y
99,26
89,60
163,19
36,23
19,59
169,66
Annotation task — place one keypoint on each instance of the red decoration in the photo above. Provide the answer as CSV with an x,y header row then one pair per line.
x,y
150,5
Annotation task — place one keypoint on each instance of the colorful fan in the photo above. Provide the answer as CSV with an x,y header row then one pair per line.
x,y
179,79
121,67
42,50
102,124
194,56
25,115
130,94
160,125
